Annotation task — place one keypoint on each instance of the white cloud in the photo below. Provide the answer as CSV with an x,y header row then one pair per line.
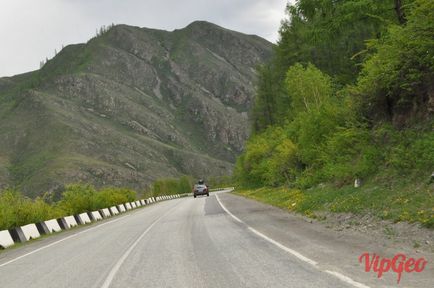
x,y
30,30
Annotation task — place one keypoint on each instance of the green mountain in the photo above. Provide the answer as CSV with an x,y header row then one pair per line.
x,y
130,106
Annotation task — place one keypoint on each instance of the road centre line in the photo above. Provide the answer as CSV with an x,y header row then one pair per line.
x,y
121,260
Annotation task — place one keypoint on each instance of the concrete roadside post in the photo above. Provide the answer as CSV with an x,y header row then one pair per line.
x,y
42,228
114,210
67,222
121,208
105,213
30,231
83,218
53,226
96,215
5,239
17,235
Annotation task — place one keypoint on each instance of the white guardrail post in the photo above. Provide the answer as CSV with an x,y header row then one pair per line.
x,y
6,239
35,230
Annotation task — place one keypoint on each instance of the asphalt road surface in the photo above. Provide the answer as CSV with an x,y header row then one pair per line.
x,y
185,242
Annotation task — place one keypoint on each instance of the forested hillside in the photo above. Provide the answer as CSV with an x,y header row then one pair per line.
x,y
348,94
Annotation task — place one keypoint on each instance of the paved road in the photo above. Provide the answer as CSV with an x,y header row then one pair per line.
x,y
184,242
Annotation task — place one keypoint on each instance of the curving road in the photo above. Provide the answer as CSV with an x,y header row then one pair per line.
x,y
184,242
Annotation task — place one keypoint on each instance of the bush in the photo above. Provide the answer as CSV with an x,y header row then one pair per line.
x,y
398,76
261,160
170,186
413,152
78,198
17,210
111,196
221,181
350,153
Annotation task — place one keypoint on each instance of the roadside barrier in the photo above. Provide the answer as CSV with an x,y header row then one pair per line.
x,y
70,221
6,239
42,228
122,208
105,213
114,210
17,235
82,218
221,189
52,226
67,222
96,216
30,231
34,230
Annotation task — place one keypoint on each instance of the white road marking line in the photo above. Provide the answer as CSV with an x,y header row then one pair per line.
x,y
346,279
293,252
283,247
59,241
118,264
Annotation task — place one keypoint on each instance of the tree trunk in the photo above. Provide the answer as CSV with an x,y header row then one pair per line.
x,y
399,12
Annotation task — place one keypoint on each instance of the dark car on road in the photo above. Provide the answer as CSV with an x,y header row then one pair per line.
x,y
200,189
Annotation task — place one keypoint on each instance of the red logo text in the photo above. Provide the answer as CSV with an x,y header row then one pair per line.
x,y
399,264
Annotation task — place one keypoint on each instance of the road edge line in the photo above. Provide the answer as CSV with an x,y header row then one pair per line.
x,y
59,241
298,255
346,279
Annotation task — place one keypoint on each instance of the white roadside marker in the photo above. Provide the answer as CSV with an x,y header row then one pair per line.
x,y
61,240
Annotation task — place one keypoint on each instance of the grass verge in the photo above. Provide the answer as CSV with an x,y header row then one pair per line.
x,y
399,201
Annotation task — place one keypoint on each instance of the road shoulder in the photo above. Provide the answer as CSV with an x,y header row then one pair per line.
x,y
333,250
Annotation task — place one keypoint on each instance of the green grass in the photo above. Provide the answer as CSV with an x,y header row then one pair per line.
x,y
397,200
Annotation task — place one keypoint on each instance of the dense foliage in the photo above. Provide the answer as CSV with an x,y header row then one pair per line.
x,y
349,94
171,186
17,210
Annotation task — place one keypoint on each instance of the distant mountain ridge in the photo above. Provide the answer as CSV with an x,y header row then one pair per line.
x,y
130,106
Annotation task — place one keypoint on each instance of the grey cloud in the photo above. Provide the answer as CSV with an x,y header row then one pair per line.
x,y
30,30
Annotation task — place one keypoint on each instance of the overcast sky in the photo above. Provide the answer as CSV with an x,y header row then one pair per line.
x,y
31,30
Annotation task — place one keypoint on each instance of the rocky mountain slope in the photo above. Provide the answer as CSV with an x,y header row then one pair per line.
x,y
130,106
